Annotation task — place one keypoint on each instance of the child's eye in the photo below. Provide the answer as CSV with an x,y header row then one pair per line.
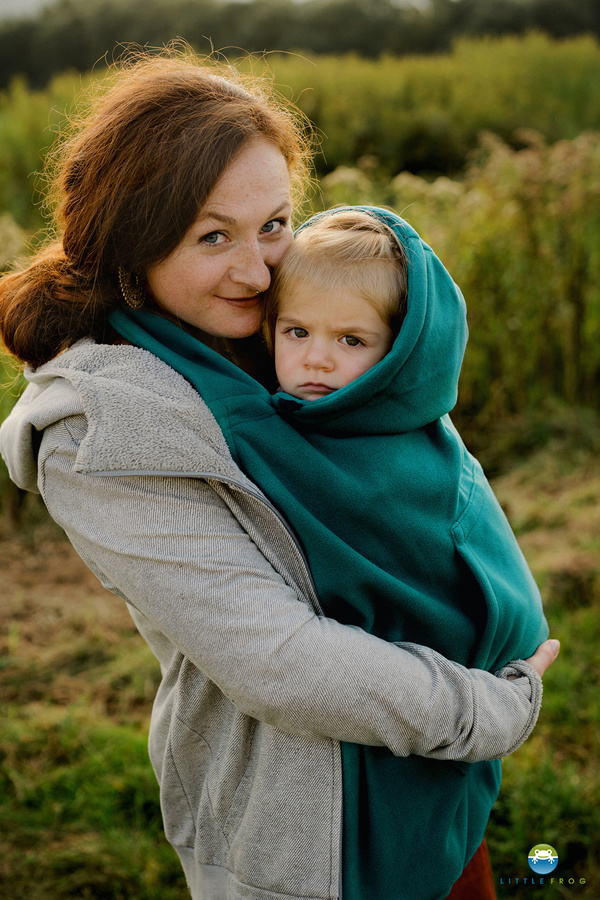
x,y
273,226
299,332
352,341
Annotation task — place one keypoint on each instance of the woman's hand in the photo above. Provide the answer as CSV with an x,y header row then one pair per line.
x,y
544,656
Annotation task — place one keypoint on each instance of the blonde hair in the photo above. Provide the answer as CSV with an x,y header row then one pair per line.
x,y
349,249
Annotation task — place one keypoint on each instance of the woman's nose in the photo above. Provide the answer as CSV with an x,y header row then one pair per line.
x,y
251,268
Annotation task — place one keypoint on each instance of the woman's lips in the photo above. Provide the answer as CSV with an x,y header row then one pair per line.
x,y
247,302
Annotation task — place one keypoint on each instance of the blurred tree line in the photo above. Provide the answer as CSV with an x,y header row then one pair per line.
x,y
76,34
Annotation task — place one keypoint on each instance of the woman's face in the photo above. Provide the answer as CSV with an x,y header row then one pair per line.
x,y
214,279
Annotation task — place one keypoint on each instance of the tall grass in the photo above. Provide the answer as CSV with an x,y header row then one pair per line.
x,y
11,386
29,123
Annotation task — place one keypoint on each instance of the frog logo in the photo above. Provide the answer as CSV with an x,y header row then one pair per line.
x,y
543,858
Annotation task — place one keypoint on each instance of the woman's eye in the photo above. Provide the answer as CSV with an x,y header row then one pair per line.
x,y
351,341
213,238
273,226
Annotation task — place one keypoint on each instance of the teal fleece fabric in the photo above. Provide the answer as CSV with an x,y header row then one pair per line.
x,y
404,539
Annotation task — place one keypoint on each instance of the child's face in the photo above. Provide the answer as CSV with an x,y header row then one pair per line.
x,y
325,339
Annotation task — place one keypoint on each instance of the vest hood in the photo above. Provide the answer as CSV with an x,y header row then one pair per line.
x,y
417,382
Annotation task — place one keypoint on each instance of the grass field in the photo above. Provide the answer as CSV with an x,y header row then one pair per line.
x,y
79,811
79,815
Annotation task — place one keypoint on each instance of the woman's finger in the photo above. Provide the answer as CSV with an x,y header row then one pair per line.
x,y
544,656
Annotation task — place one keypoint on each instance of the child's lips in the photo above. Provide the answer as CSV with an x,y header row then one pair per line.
x,y
317,388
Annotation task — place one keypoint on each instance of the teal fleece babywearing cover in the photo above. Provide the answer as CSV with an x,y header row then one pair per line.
x,y
404,539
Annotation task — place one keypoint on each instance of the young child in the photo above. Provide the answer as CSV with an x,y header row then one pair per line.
x,y
335,304
401,530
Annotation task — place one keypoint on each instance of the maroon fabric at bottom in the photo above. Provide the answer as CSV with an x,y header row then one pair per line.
x,y
477,879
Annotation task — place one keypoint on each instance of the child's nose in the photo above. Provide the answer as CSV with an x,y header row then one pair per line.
x,y
318,356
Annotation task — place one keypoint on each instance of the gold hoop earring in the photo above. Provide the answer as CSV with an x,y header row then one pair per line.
x,y
132,289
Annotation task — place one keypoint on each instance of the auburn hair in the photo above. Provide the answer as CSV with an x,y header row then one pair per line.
x,y
128,183
343,249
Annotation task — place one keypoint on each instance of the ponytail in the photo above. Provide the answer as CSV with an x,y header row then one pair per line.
x,y
49,306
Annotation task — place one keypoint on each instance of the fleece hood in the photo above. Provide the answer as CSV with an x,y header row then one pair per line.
x,y
417,382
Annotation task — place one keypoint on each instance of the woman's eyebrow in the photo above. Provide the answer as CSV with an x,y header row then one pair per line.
x,y
229,220
285,205
218,217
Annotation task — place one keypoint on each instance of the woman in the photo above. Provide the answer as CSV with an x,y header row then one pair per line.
x,y
178,194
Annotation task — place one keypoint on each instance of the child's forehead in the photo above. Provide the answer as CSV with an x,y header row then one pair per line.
x,y
325,304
